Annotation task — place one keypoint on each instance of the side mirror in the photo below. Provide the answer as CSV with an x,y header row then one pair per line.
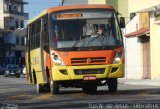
x,y
122,22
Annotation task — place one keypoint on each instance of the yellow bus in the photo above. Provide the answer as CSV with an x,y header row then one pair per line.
x,y
64,49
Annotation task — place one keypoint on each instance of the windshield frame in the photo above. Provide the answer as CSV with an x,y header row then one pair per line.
x,y
75,47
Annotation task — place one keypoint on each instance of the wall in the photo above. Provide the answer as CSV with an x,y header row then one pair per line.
x,y
144,20
137,5
133,68
1,15
133,60
133,25
97,1
155,48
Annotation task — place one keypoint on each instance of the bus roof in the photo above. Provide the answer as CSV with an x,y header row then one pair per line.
x,y
72,7
38,16
68,7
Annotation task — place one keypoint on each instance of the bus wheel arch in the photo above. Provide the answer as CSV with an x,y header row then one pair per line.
x,y
34,77
48,75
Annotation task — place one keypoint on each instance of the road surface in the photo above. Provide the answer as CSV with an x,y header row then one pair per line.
x,y
16,93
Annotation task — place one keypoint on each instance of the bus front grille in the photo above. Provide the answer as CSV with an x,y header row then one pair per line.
x,y
89,71
76,61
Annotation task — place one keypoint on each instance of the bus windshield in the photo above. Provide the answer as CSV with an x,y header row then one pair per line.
x,y
89,30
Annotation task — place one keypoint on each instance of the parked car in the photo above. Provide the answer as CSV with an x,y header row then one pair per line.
x,y
1,70
12,70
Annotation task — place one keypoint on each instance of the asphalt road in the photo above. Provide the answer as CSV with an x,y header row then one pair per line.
x,y
16,93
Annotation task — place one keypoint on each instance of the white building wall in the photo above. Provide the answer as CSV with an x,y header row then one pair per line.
x,y
155,48
133,49
133,58
138,5
1,15
133,25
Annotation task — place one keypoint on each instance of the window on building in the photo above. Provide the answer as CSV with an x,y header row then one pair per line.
x,y
19,9
5,8
17,41
10,7
132,15
157,15
22,8
1,40
22,41
22,24
1,53
1,34
15,8
16,23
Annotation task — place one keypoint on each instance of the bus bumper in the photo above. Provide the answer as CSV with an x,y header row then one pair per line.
x,y
60,73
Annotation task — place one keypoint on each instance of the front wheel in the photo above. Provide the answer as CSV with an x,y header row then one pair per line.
x,y
18,76
112,84
54,87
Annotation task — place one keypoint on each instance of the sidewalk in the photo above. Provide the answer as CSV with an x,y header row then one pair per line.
x,y
147,82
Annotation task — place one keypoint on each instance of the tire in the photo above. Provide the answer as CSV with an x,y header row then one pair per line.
x,y
40,88
89,88
18,76
112,85
54,87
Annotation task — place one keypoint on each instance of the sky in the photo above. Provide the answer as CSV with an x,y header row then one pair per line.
x,y
36,6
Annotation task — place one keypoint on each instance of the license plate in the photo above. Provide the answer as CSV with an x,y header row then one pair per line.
x,y
89,78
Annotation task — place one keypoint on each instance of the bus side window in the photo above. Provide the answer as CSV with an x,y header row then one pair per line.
x,y
37,34
34,34
45,34
31,34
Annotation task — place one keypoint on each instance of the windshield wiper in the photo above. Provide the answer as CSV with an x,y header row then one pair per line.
x,y
75,44
99,39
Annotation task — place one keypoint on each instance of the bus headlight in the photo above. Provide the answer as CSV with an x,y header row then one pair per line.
x,y
57,59
119,57
58,62
117,60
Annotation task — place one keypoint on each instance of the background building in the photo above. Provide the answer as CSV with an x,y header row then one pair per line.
x,y
143,35
120,6
12,18
2,47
